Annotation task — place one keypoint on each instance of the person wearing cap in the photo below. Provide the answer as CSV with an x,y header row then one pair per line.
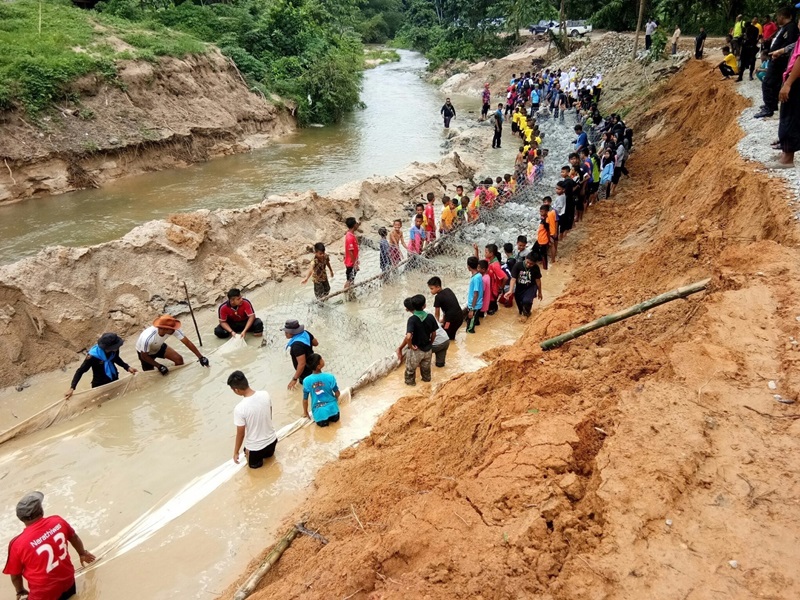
x,y
300,346
237,316
40,553
102,359
152,344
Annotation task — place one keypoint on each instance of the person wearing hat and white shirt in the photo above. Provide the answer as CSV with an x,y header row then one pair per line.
x,y
253,420
40,553
102,359
152,344
300,347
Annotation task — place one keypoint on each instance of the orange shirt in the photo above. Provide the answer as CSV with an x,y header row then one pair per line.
x,y
551,221
542,236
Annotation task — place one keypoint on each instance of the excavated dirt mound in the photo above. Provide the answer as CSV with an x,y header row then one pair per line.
x,y
634,462
157,116
56,303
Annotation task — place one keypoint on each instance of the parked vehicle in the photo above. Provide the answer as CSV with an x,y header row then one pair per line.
x,y
542,27
574,28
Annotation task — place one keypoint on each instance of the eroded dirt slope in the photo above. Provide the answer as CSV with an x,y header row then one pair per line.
x,y
156,116
553,475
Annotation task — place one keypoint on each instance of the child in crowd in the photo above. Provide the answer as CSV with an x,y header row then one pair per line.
x,y
440,345
395,241
350,251
447,309
317,272
448,216
322,391
429,219
526,285
420,332
474,295
542,246
483,269
416,236
385,257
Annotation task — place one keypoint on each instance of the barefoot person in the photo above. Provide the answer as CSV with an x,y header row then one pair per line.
x,y
789,126
300,346
102,359
152,344
237,316
40,553
253,420
526,285
420,332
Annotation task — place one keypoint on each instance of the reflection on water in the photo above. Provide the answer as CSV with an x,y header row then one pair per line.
x,y
399,125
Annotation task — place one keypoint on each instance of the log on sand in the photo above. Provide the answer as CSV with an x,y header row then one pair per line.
x,y
636,309
252,582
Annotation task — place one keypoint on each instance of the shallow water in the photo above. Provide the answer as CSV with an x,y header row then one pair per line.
x,y
399,125
135,456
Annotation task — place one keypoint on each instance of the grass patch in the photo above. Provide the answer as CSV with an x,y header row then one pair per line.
x,y
380,56
37,63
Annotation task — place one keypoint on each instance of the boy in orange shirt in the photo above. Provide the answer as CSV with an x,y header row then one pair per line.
x,y
552,226
542,246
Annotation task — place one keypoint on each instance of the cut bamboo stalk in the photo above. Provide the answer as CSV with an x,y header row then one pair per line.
x,y
636,309
252,582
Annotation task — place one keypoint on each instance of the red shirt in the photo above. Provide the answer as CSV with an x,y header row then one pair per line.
x,y
41,555
769,30
430,218
497,274
240,313
350,249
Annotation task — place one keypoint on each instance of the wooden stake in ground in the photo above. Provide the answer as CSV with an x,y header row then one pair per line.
x,y
638,28
191,311
252,582
636,309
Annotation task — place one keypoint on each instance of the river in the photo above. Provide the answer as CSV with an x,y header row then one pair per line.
x,y
399,125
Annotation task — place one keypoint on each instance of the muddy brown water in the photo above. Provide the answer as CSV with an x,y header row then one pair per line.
x,y
148,479
399,125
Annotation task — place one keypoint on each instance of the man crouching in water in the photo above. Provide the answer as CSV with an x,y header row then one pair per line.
x,y
152,344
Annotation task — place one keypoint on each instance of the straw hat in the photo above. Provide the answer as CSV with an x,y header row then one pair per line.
x,y
167,322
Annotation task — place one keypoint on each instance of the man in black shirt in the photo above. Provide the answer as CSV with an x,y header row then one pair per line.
x,y
526,285
420,333
300,346
448,310
448,112
784,39
102,359
749,50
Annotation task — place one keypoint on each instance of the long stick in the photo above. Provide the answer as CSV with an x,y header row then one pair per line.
x,y
191,311
636,309
638,28
252,582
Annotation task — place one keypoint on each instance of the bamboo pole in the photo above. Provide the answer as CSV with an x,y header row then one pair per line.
x,y
252,582
638,28
636,309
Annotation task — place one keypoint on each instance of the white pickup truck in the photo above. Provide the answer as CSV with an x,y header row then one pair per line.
x,y
574,28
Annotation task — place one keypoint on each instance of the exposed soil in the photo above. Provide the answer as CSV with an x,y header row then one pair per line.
x,y
634,462
156,116
53,305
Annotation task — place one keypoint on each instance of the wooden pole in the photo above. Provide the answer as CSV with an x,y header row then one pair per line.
x,y
191,311
252,582
638,28
636,309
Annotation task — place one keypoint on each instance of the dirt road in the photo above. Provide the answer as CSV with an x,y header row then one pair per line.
x,y
645,460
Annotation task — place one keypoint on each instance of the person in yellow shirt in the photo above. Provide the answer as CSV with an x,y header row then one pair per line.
x,y
447,218
515,120
728,66
758,26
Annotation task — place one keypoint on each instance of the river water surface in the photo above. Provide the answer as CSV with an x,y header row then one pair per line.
x,y
399,125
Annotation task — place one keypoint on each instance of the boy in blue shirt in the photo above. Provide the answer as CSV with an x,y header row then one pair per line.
x,y
474,295
323,391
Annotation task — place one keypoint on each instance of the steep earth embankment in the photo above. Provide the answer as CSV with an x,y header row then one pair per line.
x,y
645,460
153,116
56,303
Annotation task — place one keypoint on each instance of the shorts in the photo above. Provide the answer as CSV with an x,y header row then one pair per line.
x,y
328,421
350,273
160,354
322,288
69,593
255,458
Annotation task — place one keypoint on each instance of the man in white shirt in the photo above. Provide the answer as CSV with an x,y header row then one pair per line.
x,y
649,30
152,344
253,420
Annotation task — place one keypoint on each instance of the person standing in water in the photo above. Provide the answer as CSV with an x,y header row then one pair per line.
x,y
253,420
395,241
498,126
323,391
102,359
300,347
40,553
486,97
448,112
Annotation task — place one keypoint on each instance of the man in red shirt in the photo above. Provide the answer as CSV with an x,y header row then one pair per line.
x,y
350,251
40,553
237,316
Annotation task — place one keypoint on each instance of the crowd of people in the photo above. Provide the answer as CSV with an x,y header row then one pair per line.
x,y
498,276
